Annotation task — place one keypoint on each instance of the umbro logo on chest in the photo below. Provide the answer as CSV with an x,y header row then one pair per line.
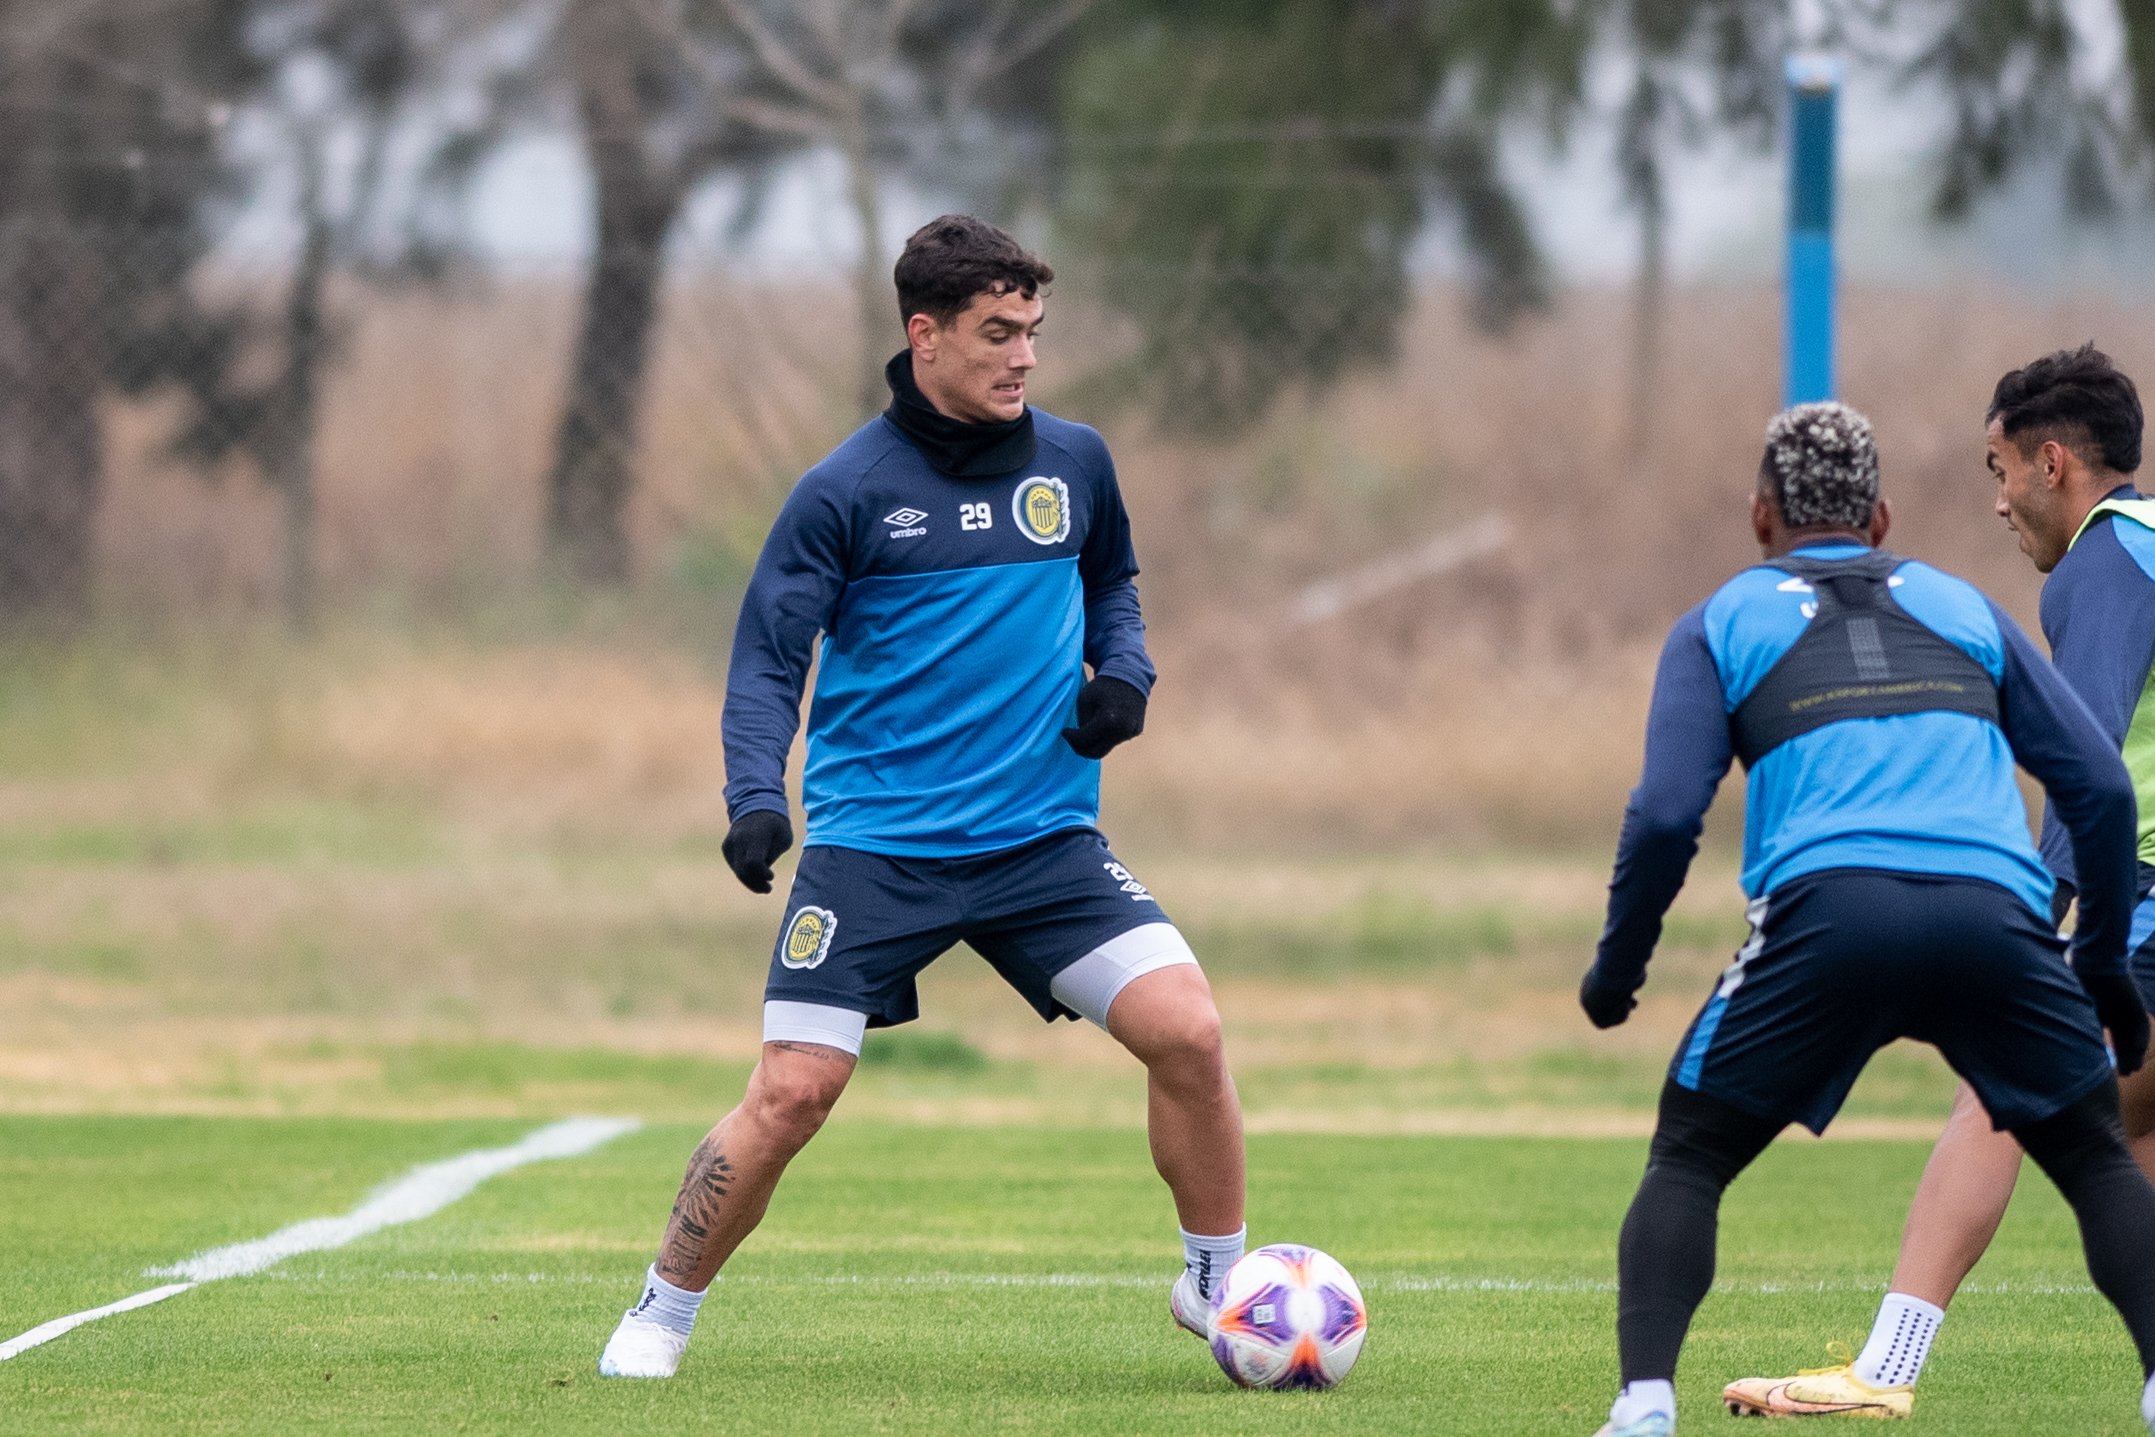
x,y
1040,508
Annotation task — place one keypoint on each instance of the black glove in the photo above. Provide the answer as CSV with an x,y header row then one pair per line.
x,y
753,844
1109,712
2061,902
2117,1004
1607,1001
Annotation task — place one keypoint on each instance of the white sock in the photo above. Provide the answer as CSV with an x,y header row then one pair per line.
x,y
2147,1404
673,1308
1208,1258
1900,1341
1642,1399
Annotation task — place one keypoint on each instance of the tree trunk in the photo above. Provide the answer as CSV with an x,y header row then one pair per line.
x,y
53,297
595,448
1649,313
638,200
291,433
872,283
51,435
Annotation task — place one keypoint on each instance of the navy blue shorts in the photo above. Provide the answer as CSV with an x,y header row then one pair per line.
x,y
860,926
1842,962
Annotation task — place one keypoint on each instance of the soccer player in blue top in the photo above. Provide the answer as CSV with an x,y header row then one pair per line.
x,y
964,558
2063,442
1878,707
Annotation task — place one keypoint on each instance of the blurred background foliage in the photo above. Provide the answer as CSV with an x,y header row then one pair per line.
x,y
204,200
394,395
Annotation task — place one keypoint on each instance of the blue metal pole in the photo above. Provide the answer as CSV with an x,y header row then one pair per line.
x,y
1814,87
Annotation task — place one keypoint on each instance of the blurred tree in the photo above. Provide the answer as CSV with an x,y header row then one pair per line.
x,y
2014,75
339,87
667,98
330,71
675,93
889,85
1693,71
641,75
2020,88
1251,179
114,110
154,125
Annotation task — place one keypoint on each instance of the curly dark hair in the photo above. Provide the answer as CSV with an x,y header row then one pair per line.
x,y
2080,399
952,258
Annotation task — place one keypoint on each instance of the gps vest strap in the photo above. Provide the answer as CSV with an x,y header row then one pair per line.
x,y
1861,656
2140,511
2139,745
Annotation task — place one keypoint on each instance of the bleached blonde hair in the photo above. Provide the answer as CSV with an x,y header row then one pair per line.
x,y
1823,465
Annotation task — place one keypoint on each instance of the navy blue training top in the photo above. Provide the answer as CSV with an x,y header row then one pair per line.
x,y
1926,792
957,616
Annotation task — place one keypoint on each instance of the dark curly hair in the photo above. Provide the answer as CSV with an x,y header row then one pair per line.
x,y
2077,397
952,258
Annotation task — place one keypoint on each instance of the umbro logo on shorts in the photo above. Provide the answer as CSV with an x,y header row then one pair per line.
x,y
1128,880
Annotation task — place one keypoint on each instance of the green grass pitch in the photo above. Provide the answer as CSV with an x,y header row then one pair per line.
x,y
955,1280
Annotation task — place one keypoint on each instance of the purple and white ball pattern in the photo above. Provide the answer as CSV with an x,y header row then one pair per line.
x,y
1287,1316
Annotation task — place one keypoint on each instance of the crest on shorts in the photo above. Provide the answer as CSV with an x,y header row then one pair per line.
x,y
808,938
1042,509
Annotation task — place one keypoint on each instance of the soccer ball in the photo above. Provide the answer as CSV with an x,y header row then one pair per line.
x,y
1287,1316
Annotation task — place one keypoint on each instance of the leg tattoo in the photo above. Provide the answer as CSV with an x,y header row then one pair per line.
x,y
694,1211
821,1051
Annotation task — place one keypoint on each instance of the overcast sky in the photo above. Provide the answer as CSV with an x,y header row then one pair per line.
x,y
531,206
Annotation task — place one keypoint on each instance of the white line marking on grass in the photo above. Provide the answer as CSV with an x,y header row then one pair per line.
x,y
40,1335
974,1279
420,1193
1388,1282
1828,1286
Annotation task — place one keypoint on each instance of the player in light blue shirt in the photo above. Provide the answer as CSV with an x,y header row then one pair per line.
x,y
1879,708
2063,441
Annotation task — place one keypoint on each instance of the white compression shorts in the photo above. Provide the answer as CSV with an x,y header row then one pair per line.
x,y
1087,987
839,1028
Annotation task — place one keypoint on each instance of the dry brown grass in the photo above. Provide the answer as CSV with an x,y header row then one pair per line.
x,y
437,429
531,735
1474,749
252,872
539,735
1499,701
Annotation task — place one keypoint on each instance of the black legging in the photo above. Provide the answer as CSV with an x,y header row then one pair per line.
x,y
1665,1257
2082,1149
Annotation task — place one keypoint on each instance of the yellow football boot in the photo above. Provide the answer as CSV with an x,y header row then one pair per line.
x,y
1833,1391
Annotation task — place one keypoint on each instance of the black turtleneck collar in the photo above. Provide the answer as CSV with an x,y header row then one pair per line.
x,y
954,447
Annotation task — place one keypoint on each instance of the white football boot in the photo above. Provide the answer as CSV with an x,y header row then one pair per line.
x,y
642,1348
1653,1424
1192,1312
